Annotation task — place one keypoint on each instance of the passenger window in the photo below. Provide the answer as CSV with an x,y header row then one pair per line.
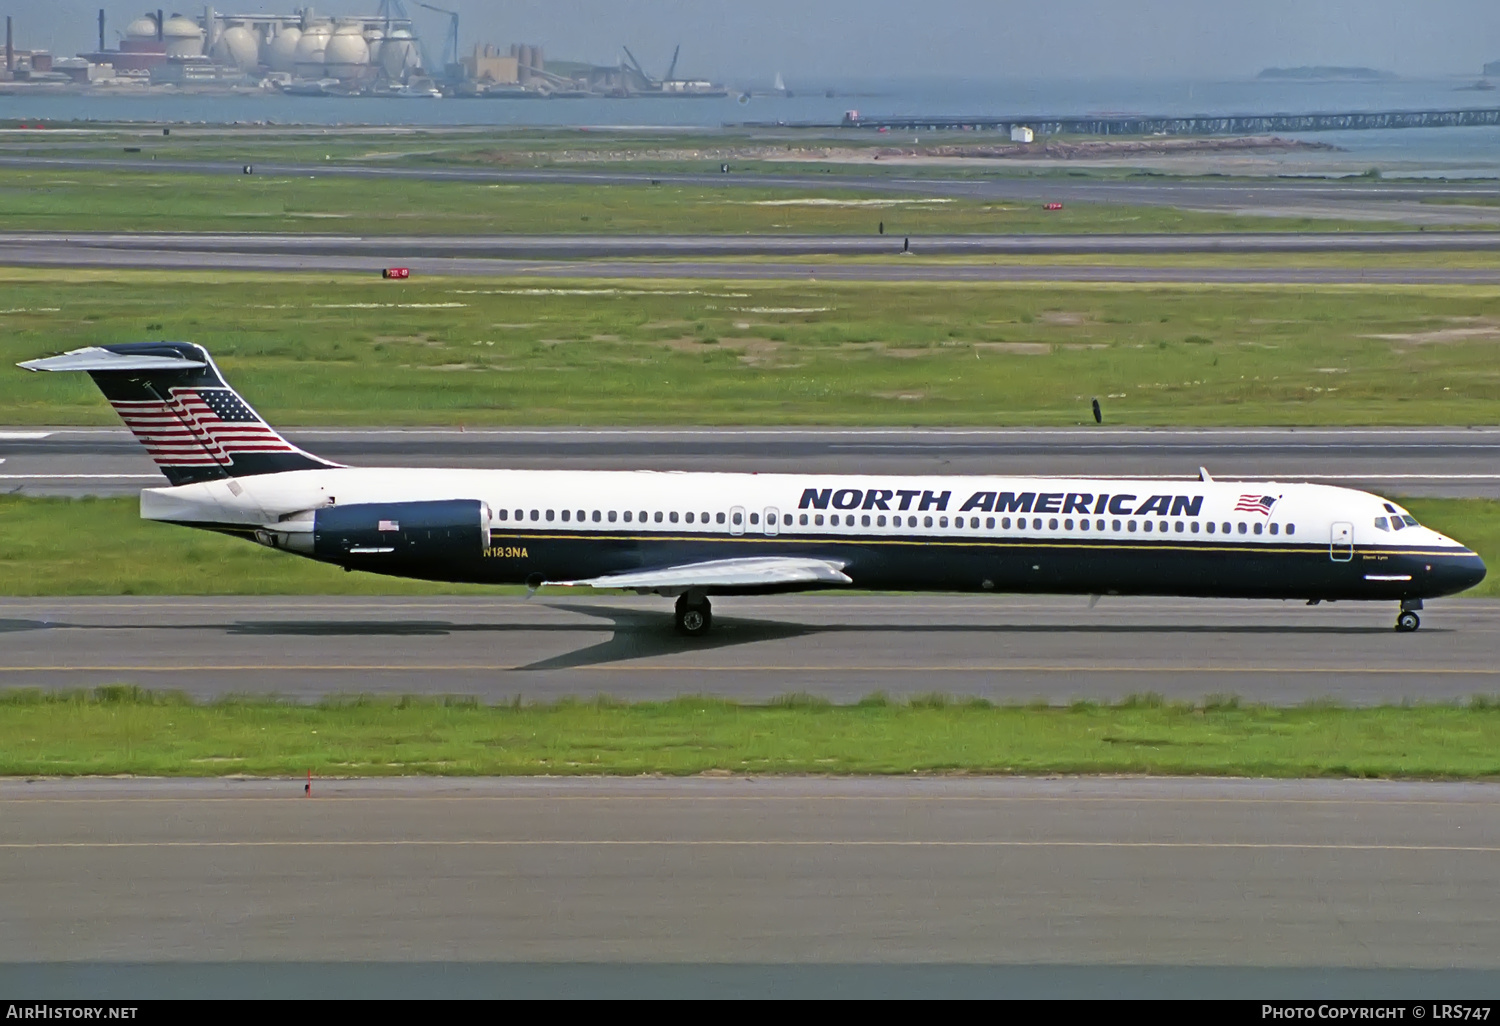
x,y
566,516
1242,527
1275,528
989,523
880,521
942,521
926,521
719,518
704,519
1052,524
1132,525
551,515
1180,527
1291,528
1083,525
535,515
1005,523
627,516
1146,526
865,520
1211,527
1195,527
1226,527
818,520
1116,525
580,516
671,516
688,518
503,514
520,514
755,518
737,517
1068,524
612,516
643,516
1099,525
803,519
597,516
1257,529
911,521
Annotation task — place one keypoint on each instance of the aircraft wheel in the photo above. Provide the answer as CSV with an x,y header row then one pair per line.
x,y
1408,622
694,618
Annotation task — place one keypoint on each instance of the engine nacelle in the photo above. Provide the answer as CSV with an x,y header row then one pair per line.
x,y
373,535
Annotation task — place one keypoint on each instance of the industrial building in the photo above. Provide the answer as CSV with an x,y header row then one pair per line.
x,y
311,52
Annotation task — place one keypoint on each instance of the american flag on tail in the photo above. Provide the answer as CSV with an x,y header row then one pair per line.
x,y
199,427
1261,504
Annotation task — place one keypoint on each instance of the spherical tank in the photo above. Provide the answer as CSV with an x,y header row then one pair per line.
x,y
281,51
398,54
184,37
311,49
238,46
374,36
143,27
347,53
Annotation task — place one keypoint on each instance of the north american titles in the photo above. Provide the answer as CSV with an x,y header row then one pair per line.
x,y
1086,503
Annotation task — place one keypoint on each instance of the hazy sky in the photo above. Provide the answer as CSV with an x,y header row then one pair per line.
x,y
832,39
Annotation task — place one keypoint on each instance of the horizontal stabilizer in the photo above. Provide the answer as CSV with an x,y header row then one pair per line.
x,y
750,572
95,358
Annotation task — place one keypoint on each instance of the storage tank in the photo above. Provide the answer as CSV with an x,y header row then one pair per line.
x,y
347,54
399,54
280,51
183,37
311,50
143,27
238,46
374,36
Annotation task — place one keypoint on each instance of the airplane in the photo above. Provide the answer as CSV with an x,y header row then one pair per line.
x,y
690,536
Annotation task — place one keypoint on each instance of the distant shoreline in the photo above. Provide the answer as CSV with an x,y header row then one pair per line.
x,y
1323,73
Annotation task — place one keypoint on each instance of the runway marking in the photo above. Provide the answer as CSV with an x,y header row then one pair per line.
x,y
840,668
755,843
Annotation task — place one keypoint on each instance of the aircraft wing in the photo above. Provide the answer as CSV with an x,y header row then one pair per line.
x,y
768,572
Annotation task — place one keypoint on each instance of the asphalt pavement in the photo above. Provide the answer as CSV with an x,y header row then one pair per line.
x,y
563,644
1408,200
916,887
1392,461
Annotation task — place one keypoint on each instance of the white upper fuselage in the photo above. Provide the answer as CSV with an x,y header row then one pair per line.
x,y
830,504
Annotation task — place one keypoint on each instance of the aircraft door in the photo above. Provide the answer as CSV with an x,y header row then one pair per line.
x,y
1341,544
737,520
773,521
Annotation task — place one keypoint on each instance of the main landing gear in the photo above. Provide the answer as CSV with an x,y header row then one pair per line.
x,y
1408,620
694,615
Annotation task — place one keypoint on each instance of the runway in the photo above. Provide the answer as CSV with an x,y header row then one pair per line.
x,y
952,887
1303,197
148,255
842,647
571,247
1392,461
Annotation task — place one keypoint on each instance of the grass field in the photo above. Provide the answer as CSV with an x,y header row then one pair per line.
x,y
102,547
342,349
122,730
66,200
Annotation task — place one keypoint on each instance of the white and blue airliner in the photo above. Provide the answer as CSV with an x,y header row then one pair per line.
x,y
689,536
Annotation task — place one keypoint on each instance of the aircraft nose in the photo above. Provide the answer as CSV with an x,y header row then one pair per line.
x,y
1461,573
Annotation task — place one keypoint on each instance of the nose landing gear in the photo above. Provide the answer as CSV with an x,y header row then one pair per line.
x,y
694,616
1408,620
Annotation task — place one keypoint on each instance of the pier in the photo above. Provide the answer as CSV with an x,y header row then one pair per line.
x,y
1139,124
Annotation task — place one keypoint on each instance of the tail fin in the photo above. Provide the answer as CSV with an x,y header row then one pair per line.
x,y
172,396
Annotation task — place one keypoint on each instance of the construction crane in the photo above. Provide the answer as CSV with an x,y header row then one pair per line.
x,y
450,42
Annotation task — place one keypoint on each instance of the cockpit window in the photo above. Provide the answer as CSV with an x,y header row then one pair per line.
x,y
1380,523
1410,520
1388,507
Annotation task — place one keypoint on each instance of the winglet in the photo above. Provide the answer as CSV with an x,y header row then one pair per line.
x,y
1203,476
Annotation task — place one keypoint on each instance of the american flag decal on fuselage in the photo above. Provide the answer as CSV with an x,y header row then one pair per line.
x,y
1256,504
199,427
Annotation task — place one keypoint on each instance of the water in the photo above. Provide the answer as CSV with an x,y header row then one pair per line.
x,y
1445,150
